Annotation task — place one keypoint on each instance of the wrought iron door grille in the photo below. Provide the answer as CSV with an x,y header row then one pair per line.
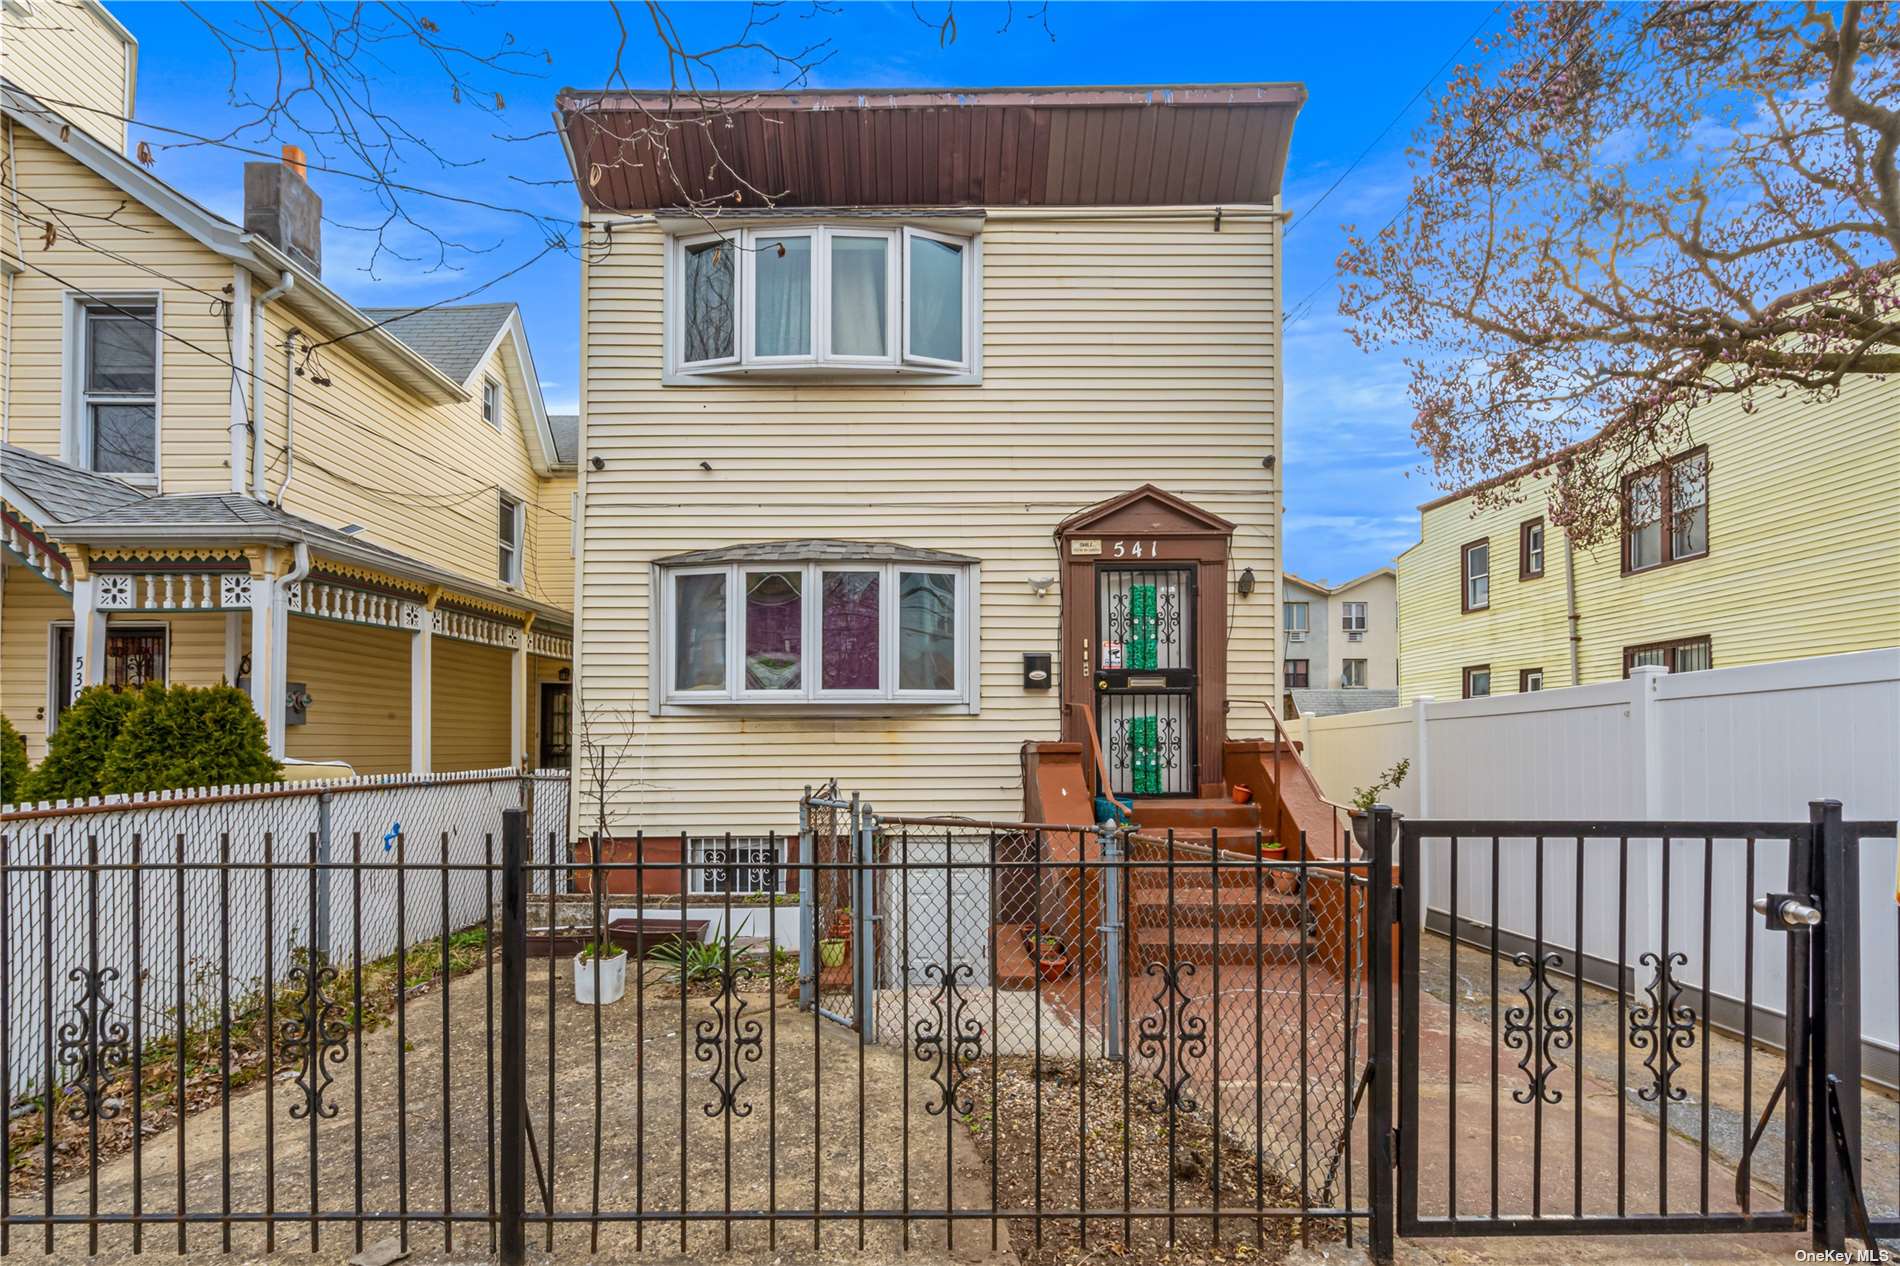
x,y
1146,677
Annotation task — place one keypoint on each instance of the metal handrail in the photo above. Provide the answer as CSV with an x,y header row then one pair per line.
x,y
1101,762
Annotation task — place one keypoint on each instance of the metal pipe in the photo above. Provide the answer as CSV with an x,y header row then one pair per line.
x,y
1570,598
285,281
290,402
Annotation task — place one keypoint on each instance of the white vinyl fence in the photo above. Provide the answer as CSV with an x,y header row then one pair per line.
x,y
181,901
1748,744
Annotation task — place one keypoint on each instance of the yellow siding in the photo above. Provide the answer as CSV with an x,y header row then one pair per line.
x,y
63,51
551,538
1115,352
1804,551
194,407
358,679
32,606
472,707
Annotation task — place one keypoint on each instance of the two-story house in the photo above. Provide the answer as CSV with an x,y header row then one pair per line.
x,y
1767,534
217,468
969,439
1341,643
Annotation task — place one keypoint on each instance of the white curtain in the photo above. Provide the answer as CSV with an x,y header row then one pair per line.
x,y
783,277
859,315
936,299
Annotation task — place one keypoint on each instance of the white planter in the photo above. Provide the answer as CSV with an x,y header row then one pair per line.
x,y
605,976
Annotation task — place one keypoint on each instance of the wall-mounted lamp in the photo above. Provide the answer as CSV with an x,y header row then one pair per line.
x,y
1041,585
1270,461
1245,583
598,463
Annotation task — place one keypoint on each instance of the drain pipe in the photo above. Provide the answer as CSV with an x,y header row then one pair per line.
x,y
1570,597
290,401
285,281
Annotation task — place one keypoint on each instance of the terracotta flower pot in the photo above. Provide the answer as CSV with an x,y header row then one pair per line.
x,y
841,925
1241,793
1053,967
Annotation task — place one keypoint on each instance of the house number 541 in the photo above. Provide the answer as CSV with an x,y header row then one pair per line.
x,y
1133,549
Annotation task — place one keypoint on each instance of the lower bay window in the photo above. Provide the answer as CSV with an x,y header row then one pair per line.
x,y
817,632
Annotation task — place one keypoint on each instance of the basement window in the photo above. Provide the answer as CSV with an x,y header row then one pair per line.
x,y
813,633
822,299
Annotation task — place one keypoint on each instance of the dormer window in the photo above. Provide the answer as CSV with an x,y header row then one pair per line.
x,y
822,300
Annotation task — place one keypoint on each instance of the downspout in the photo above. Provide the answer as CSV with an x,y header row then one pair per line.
x,y
1570,598
290,399
285,281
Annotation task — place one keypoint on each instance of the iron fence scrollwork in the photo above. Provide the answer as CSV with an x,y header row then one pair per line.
x,y
1538,1027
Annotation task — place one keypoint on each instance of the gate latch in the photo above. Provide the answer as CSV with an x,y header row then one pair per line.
x,y
1785,911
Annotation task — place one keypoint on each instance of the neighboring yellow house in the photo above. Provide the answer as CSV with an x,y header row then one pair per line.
x,y
1768,535
894,474
216,468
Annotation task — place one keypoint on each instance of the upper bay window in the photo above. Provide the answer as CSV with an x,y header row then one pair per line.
x,y
751,625
822,299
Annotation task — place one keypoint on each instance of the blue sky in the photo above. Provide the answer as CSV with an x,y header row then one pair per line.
x,y
1353,476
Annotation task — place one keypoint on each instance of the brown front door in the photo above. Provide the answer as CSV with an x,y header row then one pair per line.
x,y
1144,639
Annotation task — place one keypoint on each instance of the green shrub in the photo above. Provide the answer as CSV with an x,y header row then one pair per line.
x,y
13,768
189,736
76,751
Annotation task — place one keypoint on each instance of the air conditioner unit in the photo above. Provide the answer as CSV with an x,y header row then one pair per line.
x,y
1296,635
1355,635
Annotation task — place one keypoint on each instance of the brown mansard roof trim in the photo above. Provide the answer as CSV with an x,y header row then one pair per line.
x,y
1144,145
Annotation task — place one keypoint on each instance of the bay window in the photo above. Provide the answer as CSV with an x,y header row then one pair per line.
x,y
822,298
821,631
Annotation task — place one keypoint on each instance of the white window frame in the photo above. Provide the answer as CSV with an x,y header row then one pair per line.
x,y
912,234
893,290
668,698
1346,614
748,285
1345,671
676,301
491,402
504,499
899,364
75,417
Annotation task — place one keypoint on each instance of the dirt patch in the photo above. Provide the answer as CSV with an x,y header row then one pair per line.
x,y
1058,1140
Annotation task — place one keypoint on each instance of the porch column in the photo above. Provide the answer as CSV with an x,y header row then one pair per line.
x,y
422,688
89,630
518,696
270,627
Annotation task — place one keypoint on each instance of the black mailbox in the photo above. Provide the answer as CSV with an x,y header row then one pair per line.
x,y
1036,673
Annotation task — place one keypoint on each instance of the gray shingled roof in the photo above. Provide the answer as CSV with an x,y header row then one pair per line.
x,y
64,492
812,551
1330,703
567,438
452,337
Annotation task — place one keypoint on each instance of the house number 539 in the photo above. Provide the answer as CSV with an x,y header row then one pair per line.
x,y
1135,549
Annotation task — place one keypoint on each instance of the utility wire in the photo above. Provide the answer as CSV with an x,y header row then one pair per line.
x,y
1299,310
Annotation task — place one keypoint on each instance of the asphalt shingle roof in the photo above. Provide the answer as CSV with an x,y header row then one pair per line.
x,y
67,493
452,338
1329,703
567,438
809,551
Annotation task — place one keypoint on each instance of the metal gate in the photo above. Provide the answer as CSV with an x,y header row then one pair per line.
x,y
1629,1027
1146,678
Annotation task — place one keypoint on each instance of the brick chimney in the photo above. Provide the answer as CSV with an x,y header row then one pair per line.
x,y
280,207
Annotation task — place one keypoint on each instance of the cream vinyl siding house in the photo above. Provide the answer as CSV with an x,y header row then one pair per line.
x,y
76,52
328,463
1803,551
1111,347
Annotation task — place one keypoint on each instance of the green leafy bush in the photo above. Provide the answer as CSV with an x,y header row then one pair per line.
x,y
76,751
189,736
13,767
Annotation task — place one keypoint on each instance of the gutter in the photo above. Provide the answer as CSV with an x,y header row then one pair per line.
x,y
1570,598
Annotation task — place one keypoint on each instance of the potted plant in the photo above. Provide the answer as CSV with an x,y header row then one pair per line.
x,y
840,928
1365,797
1052,961
831,951
600,973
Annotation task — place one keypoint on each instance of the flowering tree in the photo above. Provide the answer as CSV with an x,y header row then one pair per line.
x,y
1629,213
